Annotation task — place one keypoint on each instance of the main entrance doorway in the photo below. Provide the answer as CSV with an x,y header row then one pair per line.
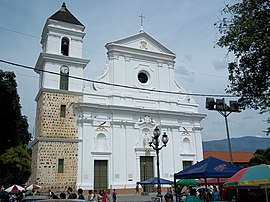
x,y
100,174
147,171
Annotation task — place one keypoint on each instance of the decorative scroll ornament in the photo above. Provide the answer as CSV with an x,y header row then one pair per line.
x,y
146,120
101,127
143,45
185,132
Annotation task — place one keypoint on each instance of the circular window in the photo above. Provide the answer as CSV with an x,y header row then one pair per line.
x,y
142,77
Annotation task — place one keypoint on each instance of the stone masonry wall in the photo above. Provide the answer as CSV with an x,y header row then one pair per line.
x,y
49,122
46,153
47,165
34,164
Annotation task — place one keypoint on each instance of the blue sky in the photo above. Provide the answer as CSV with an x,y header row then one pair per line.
x,y
186,27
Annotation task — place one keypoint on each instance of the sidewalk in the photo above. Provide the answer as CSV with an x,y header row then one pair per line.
x,y
134,198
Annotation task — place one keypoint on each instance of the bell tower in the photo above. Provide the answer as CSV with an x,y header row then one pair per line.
x,y
59,65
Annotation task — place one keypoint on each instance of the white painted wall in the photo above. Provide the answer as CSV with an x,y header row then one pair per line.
x,y
131,113
51,58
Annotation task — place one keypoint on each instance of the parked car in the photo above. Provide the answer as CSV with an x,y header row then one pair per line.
x,y
63,200
4,196
34,198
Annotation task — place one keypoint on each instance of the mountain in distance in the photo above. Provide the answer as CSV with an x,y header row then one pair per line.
x,y
241,144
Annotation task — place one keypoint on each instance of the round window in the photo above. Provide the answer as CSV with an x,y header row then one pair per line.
x,y
142,77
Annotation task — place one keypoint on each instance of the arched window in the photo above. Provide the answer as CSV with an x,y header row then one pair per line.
x,y
65,46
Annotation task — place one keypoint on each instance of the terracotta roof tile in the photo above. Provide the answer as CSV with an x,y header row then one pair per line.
x,y
239,157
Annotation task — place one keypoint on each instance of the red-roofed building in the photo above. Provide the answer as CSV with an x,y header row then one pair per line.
x,y
239,158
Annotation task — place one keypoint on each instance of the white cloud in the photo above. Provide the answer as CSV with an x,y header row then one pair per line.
x,y
219,65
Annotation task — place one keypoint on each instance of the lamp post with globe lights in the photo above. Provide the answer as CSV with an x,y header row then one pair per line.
x,y
155,145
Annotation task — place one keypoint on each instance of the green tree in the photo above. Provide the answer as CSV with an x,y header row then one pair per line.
x,y
245,31
15,159
14,126
261,156
15,165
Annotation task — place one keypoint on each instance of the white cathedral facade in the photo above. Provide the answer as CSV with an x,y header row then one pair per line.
x,y
94,135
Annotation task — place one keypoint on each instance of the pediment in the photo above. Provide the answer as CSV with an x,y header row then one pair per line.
x,y
142,41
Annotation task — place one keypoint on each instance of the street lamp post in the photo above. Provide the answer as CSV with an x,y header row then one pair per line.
x,y
144,175
155,145
225,110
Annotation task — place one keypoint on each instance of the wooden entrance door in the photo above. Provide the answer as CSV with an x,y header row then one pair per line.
x,y
100,174
147,171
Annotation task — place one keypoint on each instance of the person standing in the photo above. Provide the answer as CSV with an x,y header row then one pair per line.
x,y
54,196
105,197
71,194
216,195
114,195
90,196
62,195
93,196
137,189
168,196
100,195
80,193
50,194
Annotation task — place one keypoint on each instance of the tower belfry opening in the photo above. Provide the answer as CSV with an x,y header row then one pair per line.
x,y
65,46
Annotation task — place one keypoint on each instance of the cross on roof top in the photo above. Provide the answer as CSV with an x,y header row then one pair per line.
x,y
142,17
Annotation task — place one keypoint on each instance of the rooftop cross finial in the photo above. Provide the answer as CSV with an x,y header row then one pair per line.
x,y
142,17
63,7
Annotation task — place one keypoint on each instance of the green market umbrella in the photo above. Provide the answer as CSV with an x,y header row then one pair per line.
x,y
188,182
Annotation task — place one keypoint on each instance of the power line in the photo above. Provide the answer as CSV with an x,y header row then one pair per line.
x,y
119,85
96,52
18,32
38,37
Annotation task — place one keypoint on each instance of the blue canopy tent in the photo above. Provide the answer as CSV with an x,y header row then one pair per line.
x,y
154,181
210,167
